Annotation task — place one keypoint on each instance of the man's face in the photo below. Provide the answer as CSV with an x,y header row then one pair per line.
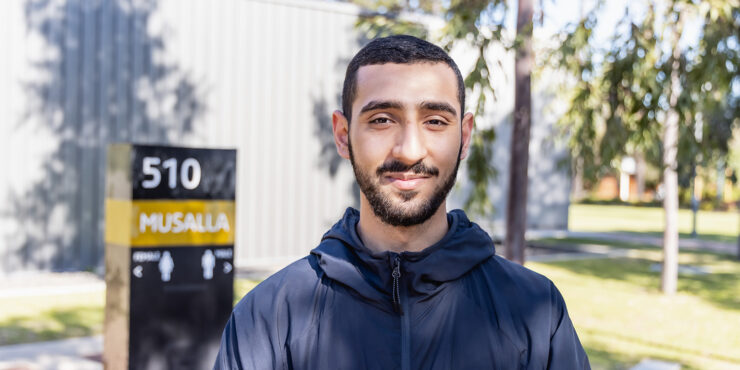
x,y
405,139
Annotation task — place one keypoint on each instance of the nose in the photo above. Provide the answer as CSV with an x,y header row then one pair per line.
x,y
410,147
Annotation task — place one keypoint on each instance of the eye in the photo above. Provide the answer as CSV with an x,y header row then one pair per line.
x,y
437,122
380,121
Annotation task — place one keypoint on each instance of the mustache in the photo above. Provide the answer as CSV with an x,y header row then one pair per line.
x,y
418,168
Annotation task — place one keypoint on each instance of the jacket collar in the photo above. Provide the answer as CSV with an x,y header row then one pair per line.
x,y
344,258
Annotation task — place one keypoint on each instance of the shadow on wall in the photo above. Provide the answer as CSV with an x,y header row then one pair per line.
x,y
105,80
329,159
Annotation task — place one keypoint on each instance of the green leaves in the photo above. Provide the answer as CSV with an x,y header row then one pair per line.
x,y
480,172
617,102
375,25
617,96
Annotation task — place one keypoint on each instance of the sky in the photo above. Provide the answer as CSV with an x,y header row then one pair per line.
x,y
559,13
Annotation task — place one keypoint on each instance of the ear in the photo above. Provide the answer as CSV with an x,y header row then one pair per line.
x,y
468,122
340,127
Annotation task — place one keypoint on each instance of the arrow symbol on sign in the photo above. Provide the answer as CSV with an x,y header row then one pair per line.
x,y
227,267
138,271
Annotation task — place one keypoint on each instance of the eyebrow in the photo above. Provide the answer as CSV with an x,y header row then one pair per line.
x,y
438,106
381,104
394,104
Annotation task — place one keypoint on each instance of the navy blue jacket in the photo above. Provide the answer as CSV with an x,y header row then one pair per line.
x,y
454,305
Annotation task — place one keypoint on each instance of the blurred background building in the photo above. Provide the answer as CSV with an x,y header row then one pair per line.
x,y
259,76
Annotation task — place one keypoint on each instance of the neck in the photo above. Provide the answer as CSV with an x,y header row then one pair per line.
x,y
379,236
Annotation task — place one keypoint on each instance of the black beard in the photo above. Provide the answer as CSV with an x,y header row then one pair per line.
x,y
383,207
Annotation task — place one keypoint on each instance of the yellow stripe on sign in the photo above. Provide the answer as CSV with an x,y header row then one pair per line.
x,y
170,222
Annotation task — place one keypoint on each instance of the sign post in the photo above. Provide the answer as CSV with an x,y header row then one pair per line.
x,y
169,235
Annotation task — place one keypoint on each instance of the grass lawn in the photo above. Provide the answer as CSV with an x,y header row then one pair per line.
x,y
720,226
242,287
622,318
620,315
35,319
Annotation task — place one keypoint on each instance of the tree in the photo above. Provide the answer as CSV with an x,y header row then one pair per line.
x,y
516,209
645,91
669,272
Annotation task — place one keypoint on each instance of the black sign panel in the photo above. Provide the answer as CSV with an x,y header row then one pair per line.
x,y
181,298
161,172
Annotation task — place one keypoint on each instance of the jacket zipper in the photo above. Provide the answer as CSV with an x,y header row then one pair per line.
x,y
400,304
396,288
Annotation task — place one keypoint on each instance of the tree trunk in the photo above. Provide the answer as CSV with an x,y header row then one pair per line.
x,y
720,187
516,209
669,274
577,192
640,175
738,239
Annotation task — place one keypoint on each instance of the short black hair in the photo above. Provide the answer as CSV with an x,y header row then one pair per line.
x,y
400,49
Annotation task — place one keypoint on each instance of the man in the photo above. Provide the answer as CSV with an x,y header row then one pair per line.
x,y
401,283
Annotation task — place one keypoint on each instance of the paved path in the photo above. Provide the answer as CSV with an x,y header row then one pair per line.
x,y
41,283
68,354
574,252
683,243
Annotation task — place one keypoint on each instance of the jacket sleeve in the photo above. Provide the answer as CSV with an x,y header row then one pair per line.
x,y
566,351
251,339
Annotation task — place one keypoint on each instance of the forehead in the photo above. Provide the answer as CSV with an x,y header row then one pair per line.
x,y
407,83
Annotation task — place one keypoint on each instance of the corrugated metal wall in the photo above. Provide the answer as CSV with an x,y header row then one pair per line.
x,y
251,75
259,76
271,73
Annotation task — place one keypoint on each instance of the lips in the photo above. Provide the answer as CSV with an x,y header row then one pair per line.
x,y
406,181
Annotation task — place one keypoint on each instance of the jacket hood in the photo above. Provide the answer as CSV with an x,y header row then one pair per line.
x,y
344,258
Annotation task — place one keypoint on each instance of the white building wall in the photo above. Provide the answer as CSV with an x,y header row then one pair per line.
x,y
259,76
